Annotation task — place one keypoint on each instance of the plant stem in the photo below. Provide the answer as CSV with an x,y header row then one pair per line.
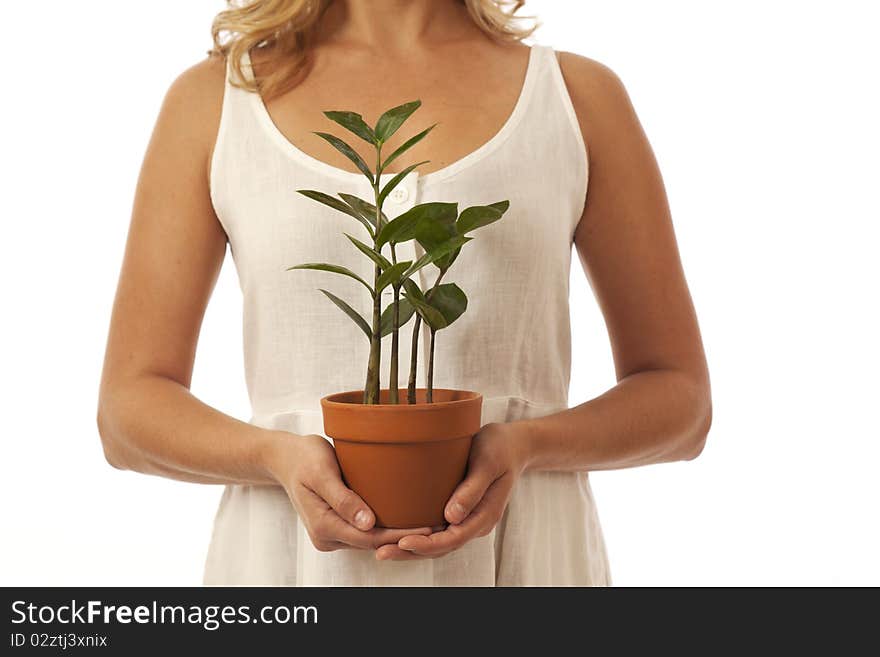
x,y
371,387
413,361
393,397
395,321
414,351
429,394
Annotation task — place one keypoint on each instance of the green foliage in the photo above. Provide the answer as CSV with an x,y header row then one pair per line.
x,y
409,143
336,269
395,181
336,204
446,304
444,249
364,208
391,120
436,226
450,300
405,313
413,290
351,312
371,253
392,275
479,216
433,317
403,228
353,123
432,234
349,152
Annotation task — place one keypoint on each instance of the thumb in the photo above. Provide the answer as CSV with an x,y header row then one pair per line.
x,y
347,504
468,494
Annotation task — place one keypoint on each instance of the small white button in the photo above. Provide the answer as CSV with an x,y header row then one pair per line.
x,y
399,195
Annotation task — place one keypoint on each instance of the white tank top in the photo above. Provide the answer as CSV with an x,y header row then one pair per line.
x,y
513,344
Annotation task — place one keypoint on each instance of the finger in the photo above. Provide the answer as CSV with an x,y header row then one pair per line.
x,y
394,553
382,536
339,530
441,543
468,493
347,504
330,546
479,523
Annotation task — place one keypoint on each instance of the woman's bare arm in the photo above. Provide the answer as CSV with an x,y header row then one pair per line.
x,y
147,417
660,410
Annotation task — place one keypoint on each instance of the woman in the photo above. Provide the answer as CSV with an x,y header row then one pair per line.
x,y
514,122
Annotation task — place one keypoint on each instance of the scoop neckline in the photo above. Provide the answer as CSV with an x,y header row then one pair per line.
x,y
294,151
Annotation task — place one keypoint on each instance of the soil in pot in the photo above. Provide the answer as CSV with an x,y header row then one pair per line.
x,y
404,460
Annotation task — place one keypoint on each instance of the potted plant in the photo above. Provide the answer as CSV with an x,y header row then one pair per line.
x,y
403,457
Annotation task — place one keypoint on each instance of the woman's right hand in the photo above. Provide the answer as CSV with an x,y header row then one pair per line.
x,y
334,515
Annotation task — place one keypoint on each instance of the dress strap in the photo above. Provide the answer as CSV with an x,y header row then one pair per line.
x,y
247,67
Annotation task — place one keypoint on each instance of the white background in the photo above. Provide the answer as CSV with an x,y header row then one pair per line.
x,y
764,119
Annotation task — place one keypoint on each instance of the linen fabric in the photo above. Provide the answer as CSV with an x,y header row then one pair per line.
x,y
513,344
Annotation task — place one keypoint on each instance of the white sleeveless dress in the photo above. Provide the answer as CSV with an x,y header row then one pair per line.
x,y
512,344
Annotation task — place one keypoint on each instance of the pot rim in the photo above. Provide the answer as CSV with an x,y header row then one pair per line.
x,y
329,402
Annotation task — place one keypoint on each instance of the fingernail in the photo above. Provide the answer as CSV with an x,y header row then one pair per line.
x,y
456,511
362,519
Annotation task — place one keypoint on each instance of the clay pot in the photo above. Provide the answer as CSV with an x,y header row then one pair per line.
x,y
404,460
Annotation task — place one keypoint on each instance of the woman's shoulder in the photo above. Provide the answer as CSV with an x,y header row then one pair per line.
x,y
193,104
599,96
200,86
586,71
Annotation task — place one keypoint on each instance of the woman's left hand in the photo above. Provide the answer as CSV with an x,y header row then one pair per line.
x,y
497,459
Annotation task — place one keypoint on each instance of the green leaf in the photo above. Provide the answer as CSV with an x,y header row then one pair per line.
x,y
336,269
349,152
413,290
440,224
446,261
405,314
443,263
433,317
450,300
479,216
366,209
392,275
431,234
391,120
453,243
336,204
395,181
371,253
409,143
351,312
353,123
403,228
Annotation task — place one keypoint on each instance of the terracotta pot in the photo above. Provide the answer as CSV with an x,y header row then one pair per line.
x,y
404,460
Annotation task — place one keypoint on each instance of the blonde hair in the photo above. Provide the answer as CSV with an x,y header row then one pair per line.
x,y
289,26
